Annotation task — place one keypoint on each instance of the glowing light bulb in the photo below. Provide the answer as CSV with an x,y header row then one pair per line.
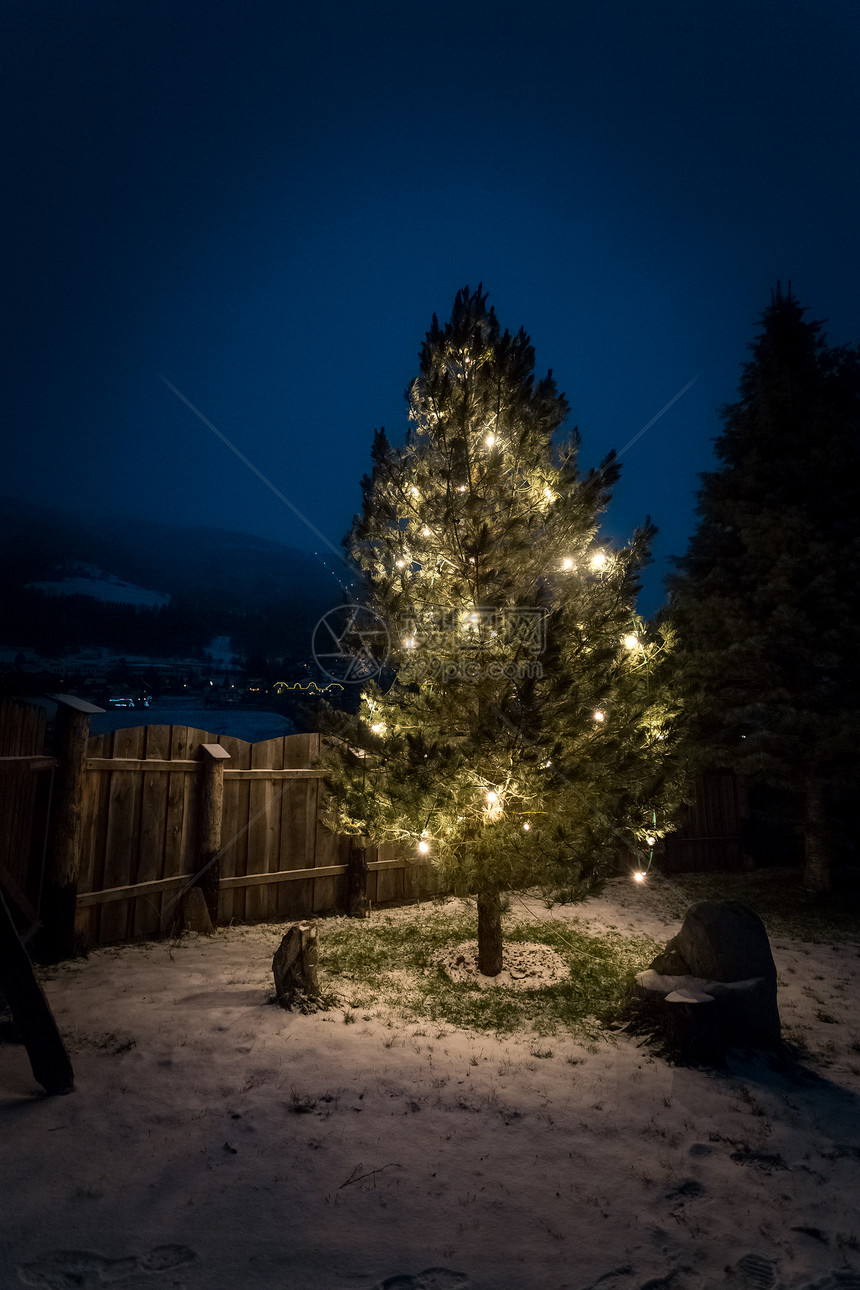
x,y
639,876
492,798
400,563
409,642
491,440
631,641
549,494
414,491
378,727
568,563
526,826
425,532
598,560
599,716
461,488
423,846
650,841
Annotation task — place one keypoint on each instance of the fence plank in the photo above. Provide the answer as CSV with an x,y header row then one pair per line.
x,y
234,829
180,824
121,844
146,912
264,805
100,830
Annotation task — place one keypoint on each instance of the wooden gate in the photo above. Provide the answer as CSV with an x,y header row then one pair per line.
x,y
141,844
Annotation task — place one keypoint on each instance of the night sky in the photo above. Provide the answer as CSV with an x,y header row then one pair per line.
x,y
266,202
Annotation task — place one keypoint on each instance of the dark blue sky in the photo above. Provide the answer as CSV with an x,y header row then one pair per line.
x,y
266,202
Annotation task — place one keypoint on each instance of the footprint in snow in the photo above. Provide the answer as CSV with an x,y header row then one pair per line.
x,y
755,1272
82,1270
429,1279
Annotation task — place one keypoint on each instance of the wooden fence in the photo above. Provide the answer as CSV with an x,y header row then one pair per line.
x,y
145,831
25,794
709,834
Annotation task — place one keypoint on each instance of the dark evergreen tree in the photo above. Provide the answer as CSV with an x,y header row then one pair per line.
x,y
766,602
522,740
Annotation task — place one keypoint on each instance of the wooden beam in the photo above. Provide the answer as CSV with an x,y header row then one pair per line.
x,y
284,875
183,764
15,765
297,773
243,880
134,889
139,763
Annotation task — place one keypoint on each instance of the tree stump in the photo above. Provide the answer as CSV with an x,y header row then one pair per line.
x,y
713,987
295,967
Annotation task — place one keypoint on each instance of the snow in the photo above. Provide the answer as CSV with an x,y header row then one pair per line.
x,y
217,1141
106,587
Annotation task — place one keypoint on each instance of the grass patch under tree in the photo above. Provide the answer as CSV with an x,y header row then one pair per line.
x,y
387,963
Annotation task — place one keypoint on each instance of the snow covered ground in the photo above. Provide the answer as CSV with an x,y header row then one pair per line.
x,y
217,1141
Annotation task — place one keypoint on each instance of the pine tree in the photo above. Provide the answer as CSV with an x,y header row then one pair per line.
x,y
766,601
522,739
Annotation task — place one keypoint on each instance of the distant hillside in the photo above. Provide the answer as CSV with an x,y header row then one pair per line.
x,y
219,583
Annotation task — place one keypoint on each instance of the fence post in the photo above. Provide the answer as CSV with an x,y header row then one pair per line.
x,y
62,863
211,811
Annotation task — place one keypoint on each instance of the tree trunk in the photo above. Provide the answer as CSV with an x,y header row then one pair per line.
x,y
816,865
489,933
356,881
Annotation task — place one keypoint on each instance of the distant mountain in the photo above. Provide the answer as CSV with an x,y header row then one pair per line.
x,y
195,584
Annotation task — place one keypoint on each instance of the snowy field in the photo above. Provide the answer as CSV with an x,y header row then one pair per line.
x,y
217,1141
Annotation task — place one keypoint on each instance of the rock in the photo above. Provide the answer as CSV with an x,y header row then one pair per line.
x,y
295,965
724,940
714,985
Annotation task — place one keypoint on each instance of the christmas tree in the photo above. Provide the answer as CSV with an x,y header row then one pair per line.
x,y
517,736
766,605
